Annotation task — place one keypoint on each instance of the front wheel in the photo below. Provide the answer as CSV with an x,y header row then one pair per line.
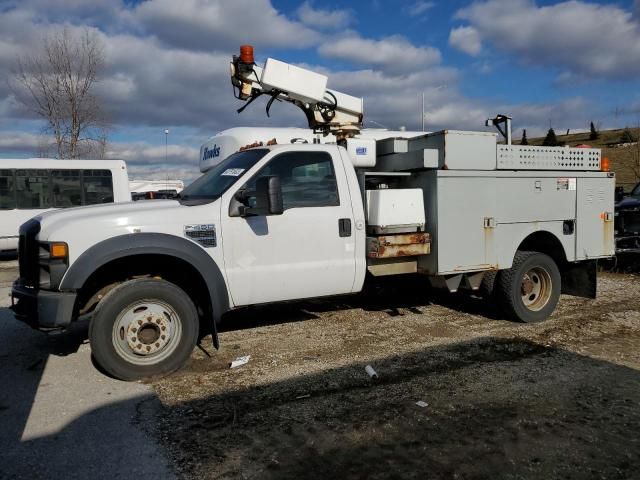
x,y
529,291
143,328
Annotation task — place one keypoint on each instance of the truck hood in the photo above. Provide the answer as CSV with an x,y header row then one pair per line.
x,y
118,216
628,202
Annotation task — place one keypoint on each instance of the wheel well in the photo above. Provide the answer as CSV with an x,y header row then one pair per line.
x,y
547,243
167,267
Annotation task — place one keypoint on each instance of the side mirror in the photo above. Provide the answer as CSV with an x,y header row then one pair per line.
x,y
268,199
269,196
619,195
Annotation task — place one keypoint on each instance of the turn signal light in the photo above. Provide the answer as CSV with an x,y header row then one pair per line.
x,y
604,165
58,250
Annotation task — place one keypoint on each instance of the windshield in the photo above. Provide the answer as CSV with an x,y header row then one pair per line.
x,y
216,181
636,191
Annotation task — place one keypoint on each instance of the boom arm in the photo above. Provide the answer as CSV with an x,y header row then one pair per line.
x,y
327,111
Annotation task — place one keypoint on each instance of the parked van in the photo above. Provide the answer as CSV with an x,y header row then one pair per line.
x,y
29,186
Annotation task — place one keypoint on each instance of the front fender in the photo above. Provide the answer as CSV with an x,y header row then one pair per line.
x,y
148,244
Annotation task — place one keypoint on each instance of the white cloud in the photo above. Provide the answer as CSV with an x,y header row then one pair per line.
x,y
141,153
147,162
585,38
167,66
219,24
420,7
143,159
20,142
323,19
466,39
388,53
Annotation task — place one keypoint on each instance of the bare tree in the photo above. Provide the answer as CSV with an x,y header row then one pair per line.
x,y
58,85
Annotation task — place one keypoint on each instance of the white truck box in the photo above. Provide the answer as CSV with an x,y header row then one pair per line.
x,y
473,228
395,210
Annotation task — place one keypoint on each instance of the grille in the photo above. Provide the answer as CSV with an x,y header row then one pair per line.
x,y
205,235
628,221
28,253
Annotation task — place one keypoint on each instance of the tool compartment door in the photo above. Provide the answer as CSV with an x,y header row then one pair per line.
x,y
594,229
463,241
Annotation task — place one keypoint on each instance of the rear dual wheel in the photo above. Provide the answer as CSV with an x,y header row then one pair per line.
x,y
530,290
143,328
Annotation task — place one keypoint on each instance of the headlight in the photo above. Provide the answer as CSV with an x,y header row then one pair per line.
x,y
53,261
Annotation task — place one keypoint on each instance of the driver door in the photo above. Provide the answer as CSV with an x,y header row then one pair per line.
x,y
301,253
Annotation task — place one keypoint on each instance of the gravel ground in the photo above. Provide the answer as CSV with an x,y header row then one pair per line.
x,y
559,399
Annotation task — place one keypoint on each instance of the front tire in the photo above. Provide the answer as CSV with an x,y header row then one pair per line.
x,y
143,328
529,291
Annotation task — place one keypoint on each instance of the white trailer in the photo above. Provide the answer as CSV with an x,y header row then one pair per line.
x,y
31,186
145,186
296,218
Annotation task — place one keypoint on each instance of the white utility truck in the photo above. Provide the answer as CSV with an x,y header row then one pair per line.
x,y
298,217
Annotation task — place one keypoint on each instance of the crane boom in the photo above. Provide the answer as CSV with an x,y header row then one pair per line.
x,y
327,111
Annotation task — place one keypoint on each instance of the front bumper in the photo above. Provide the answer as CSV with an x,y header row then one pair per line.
x,y
626,243
42,309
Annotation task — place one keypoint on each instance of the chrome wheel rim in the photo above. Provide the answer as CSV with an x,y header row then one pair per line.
x,y
146,332
535,288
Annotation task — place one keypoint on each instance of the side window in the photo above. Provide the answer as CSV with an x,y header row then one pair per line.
x,y
307,178
66,188
32,189
97,186
7,190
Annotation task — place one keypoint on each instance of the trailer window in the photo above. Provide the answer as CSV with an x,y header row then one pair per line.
x,y
97,186
32,189
307,178
7,190
66,188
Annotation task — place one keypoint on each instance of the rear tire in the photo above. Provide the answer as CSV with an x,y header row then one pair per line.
x,y
143,328
529,291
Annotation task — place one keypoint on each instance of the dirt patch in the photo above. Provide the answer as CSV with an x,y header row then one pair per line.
x,y
559,399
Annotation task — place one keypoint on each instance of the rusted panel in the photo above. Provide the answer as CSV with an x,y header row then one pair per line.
x,y
390,246
403,239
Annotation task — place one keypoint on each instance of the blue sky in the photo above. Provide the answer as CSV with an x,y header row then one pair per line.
x,y
560,64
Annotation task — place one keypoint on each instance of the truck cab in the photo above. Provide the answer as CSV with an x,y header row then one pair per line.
x,y
235,237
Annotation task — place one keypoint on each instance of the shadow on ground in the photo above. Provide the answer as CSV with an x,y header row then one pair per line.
x,y
40,396
496,409
391,295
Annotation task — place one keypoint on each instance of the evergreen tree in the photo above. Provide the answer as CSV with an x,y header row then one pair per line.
x,y
524,140
550,140
593,135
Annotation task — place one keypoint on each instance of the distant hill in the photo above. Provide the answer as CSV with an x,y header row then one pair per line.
x,y
625,159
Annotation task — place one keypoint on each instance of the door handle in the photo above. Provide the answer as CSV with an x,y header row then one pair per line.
x,y
344,227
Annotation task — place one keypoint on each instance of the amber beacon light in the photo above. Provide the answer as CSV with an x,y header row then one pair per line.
x,y
246,54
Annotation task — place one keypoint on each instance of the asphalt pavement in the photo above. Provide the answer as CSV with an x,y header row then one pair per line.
x,y
60,417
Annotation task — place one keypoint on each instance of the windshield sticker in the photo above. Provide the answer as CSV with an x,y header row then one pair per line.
x,y
232,172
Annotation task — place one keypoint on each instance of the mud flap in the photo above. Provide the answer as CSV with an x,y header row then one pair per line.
x,y
580,279
214,333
